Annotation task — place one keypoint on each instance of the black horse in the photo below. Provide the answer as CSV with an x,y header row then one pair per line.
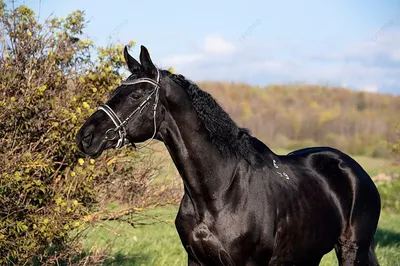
x,y
243,204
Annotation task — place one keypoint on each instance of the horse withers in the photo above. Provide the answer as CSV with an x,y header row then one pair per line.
x,y
242,203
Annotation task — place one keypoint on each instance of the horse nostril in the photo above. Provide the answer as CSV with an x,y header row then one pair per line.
x,y
87,139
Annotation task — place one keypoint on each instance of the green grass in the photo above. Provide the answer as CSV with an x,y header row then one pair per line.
x,y
159,244
156,244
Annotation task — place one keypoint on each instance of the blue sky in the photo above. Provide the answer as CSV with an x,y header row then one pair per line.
x,y
339,42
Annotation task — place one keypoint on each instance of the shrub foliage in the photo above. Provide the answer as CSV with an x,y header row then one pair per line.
x,y
50,83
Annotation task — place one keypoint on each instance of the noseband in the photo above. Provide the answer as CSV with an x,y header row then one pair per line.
x,y
120,126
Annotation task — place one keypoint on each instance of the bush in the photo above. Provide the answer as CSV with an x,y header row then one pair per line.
x,y
390,196
49,84
381,150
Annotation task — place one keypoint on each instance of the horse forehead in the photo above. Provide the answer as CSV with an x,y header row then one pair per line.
x,y
116,91
134,76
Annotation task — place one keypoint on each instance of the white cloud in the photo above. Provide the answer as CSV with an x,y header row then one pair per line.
x,y
384,45
372,66
181,60
370,88
375,61
215,44
275,65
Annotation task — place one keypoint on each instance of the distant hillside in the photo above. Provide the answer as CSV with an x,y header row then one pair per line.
x,y
296,116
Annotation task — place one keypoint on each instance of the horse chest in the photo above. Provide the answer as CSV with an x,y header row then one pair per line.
x,y
206,246
220,242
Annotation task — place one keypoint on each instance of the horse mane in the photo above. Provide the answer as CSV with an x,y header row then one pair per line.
x,y
224,133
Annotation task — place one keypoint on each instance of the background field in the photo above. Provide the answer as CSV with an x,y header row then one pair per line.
x,y
160,245
157,242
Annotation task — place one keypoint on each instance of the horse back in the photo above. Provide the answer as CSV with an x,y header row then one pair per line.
x,y
349,184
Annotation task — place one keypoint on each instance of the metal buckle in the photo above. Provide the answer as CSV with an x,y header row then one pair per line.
x,y
111,134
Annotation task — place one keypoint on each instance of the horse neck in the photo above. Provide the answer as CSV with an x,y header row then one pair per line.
x,y
206,172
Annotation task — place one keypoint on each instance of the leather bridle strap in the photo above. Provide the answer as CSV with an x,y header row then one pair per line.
x,y
120,126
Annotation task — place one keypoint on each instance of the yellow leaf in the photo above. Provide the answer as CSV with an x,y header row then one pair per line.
x,y
58,201
88,218
85,105
163,188
111,161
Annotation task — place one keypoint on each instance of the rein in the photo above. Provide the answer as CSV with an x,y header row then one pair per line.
x,y
120,126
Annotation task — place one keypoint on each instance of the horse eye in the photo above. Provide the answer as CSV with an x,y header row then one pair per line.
x,y
135,96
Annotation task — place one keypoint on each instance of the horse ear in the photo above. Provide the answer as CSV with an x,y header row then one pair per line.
x,y
133,65
145,60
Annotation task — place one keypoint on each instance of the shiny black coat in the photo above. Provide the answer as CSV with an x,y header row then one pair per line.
x,y
291,211
243,204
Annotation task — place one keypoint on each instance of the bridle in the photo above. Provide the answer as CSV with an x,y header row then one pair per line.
x,y
120,126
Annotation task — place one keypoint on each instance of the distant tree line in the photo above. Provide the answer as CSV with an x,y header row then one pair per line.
x,y
295,116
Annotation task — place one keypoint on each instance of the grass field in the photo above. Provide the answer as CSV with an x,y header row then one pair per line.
x,y
157,242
